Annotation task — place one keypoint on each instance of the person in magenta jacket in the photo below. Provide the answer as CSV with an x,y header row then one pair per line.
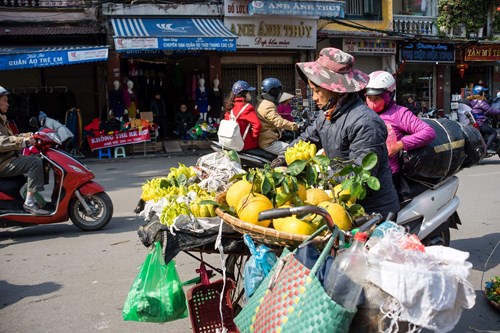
x,y
480,111
406,131
240,99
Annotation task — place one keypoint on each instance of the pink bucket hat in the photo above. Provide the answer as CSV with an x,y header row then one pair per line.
x,y
333,70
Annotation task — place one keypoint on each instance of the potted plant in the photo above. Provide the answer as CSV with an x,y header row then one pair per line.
x,y
471,14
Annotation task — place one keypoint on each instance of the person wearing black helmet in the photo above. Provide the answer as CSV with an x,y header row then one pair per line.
x,y
11,164
272,123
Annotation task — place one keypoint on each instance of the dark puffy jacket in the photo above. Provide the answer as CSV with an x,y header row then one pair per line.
x,y
353,131
481,110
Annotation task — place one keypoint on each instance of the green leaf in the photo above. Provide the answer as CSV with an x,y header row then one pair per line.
x,y
296,167
356,210
181,179
346,170
278,177
357,190
322,160
369,161
357,169
282,197
209,202
311,175
265,186
373,183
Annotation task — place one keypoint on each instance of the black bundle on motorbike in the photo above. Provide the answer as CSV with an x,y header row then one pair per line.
x,y
475,147
442,158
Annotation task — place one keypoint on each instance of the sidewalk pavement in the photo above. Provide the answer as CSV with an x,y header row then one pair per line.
x,y
169,148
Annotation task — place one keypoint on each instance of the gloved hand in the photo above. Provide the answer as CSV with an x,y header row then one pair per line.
x,y
277,162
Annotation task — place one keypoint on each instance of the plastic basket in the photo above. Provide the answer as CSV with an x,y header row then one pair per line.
x,y
204,305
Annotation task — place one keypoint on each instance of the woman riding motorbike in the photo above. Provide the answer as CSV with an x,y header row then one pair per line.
x,y
347,128
406,130
272,123
480,111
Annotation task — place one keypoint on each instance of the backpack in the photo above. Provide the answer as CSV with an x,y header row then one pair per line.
x,y
229,132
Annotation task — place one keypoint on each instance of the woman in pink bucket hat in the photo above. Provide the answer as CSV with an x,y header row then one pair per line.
x,y
347,128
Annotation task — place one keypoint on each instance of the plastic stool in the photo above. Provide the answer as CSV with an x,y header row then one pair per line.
x,y
120,152
105,152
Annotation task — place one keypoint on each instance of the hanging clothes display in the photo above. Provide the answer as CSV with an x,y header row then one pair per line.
x,y
130,100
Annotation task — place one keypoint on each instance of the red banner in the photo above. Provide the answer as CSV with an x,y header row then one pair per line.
x,y
118,139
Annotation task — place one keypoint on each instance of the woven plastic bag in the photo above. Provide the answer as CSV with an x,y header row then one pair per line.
x,y
292,300
156,294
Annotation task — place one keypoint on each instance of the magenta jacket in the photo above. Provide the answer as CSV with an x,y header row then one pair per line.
x,y
409,129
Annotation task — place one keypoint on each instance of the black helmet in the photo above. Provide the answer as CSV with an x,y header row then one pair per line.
x,y
272,87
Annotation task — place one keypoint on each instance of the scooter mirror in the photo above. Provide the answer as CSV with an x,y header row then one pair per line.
x,y
34,122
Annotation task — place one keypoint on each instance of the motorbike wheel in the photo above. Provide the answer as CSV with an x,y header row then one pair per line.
x,y
102,211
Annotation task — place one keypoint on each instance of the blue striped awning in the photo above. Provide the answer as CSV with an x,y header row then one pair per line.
x,y
37,57
193,34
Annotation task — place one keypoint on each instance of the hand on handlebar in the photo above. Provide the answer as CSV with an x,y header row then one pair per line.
x,y
277,162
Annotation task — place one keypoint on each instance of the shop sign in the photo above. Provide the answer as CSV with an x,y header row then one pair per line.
x,y
482,53
19,58
273,33
427,52
118,139
135,43
369,46
236,8
330,9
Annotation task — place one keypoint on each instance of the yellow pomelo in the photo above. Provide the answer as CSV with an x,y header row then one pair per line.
x,y
250,206
339,215
237,191
293,225
316,195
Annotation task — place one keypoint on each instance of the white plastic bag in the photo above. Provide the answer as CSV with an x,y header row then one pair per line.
x,y
215,170
430,288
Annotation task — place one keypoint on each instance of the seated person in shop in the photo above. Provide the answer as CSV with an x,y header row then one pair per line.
x,y
412,105
184,120
111,124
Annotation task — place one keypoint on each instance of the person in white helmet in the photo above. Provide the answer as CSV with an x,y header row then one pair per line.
x,y
406,131
11,164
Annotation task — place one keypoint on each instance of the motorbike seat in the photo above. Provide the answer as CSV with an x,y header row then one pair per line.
x,y
261,153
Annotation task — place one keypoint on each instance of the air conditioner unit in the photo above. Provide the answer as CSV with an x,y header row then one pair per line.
x,y
458,31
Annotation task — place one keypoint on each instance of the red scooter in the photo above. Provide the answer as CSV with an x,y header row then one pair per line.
x,y
74,195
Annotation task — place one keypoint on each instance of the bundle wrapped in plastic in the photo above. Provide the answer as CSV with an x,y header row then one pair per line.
x,y
429,285
442,158
215,170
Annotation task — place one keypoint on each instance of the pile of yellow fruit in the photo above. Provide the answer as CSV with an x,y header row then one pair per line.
x,y
247,203
303,182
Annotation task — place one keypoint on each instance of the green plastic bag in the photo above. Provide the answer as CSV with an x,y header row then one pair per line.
x,y
156,294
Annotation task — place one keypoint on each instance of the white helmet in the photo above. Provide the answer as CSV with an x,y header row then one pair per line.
x,y
380,81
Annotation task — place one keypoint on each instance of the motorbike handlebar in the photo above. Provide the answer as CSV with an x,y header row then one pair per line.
x,y
364,223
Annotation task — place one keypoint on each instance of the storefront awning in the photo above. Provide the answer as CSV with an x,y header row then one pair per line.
x,y
33,57
172,34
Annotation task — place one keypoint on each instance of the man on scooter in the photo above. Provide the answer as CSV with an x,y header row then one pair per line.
x,y
12,164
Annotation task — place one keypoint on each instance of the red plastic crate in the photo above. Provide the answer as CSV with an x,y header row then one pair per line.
x,y
203,302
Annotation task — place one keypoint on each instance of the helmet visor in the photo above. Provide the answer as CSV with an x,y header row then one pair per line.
x,y
374,91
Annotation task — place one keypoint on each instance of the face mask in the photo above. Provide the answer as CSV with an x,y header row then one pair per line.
x,y
377,106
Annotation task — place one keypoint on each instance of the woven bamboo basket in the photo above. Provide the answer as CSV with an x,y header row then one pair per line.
x,y
268,236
